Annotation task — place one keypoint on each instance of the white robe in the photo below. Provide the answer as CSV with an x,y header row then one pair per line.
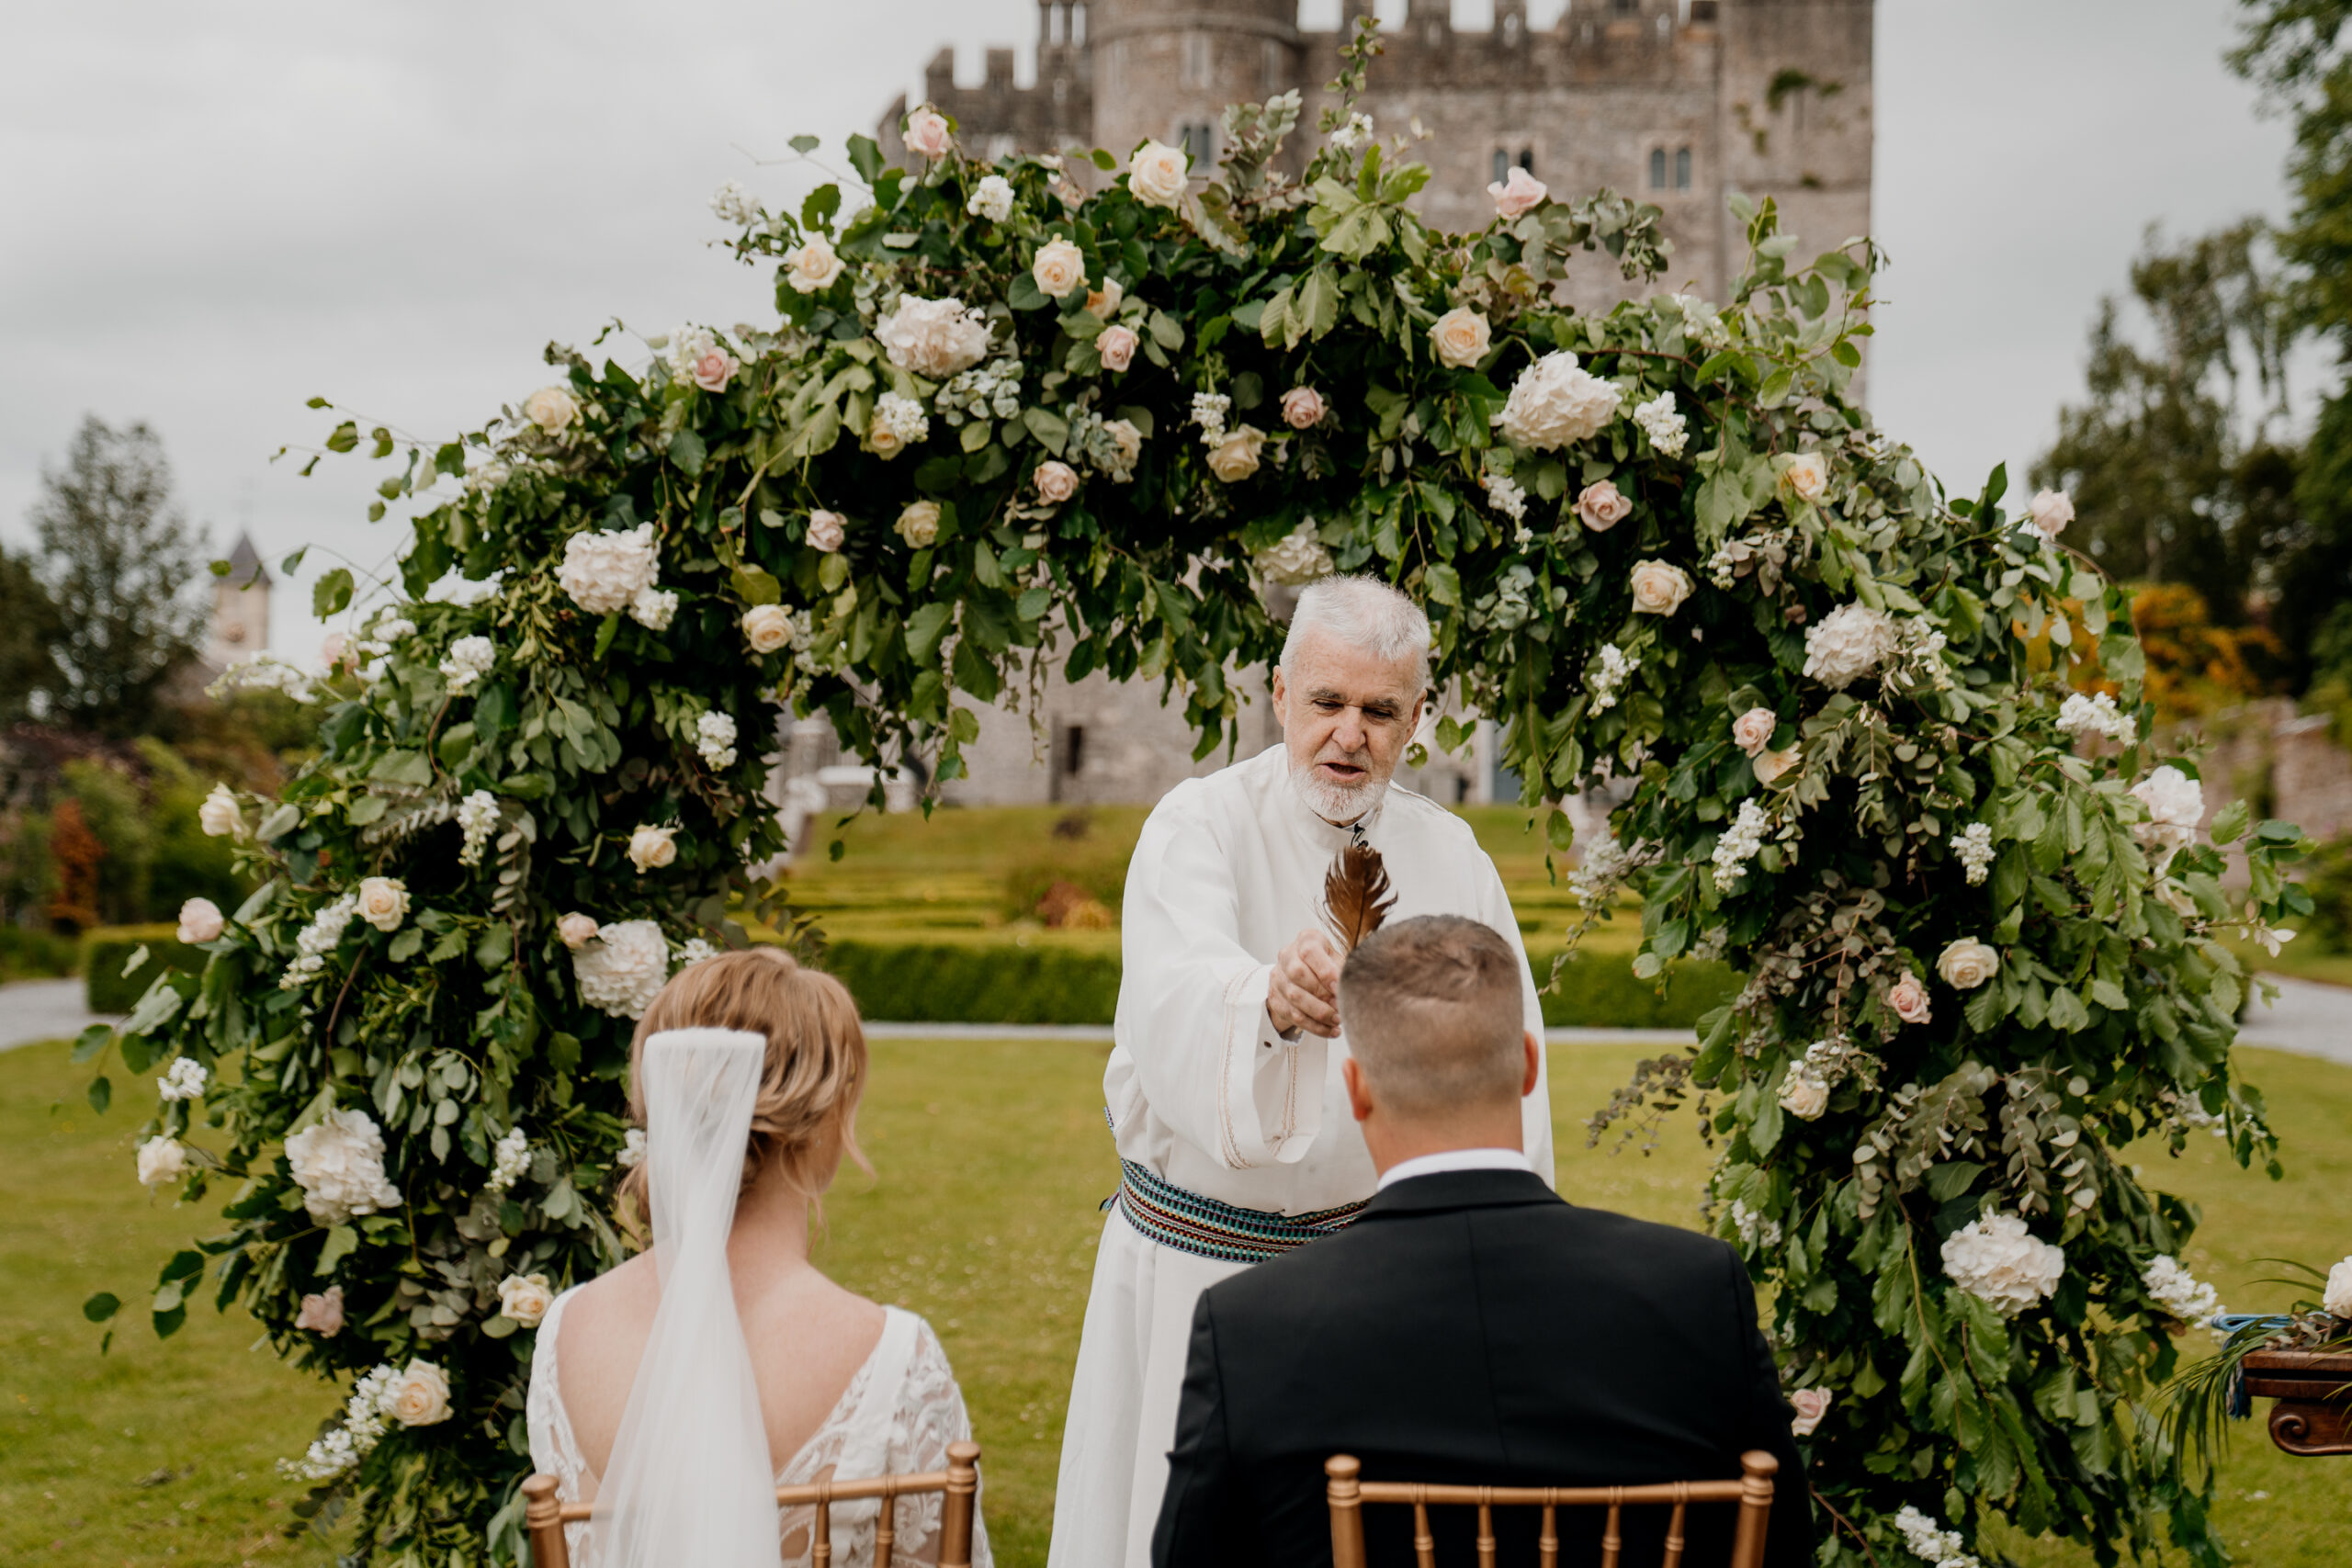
x,y
1204,1093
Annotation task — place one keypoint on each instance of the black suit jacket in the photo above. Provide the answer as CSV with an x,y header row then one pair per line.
x,y
1472,1326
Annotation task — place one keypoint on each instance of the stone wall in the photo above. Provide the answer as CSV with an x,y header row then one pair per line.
x,y
2281,762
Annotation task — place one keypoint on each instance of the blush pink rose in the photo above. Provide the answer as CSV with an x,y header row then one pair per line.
x,y
1117,347
1811,1405
827,530
1603,507
577,930
715,369
1520,196
927,133
1752,731
1908,997
1057,482
1303,408
334,649
322,1314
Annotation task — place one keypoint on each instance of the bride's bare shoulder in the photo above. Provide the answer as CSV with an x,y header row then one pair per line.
x,y
618,1304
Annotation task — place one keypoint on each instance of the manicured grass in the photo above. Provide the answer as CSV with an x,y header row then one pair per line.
x,y
991,1158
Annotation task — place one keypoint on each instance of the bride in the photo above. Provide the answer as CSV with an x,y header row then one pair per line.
x,y
678,1391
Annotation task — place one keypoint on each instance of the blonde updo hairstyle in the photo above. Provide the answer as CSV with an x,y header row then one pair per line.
x,y
810,1085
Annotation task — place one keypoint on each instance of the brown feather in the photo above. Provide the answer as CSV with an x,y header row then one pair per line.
x,y
1356,896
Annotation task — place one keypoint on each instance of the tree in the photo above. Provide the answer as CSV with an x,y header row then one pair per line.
x,y
28,629
118,561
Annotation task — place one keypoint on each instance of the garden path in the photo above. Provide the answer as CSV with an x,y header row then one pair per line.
x,y
42,1009
2308,1018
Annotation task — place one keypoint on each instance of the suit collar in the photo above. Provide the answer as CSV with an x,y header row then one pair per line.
x,y
1461,1190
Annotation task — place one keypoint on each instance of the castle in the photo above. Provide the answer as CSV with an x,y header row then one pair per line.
x,y
1678,103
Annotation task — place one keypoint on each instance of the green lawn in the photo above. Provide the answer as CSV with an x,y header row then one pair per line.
x,y
991,1158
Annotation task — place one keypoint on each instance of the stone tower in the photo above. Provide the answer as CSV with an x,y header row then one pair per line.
x,y
1167,71
240,608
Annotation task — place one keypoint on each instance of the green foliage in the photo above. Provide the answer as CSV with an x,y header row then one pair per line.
x,y
108,951
28,629
2329,883
27,954
548,708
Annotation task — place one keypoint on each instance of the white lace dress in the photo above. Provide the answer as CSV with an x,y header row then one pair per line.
x,y
898,1415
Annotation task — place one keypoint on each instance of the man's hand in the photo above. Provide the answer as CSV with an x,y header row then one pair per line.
x,y
1305,992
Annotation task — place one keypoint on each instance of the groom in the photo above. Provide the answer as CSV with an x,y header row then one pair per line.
x,y
1224,1091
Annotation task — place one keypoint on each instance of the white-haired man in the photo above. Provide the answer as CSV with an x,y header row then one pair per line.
x,y
1224,1091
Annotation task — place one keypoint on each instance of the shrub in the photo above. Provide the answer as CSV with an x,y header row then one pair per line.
x,y
2329,882
106,949
28,954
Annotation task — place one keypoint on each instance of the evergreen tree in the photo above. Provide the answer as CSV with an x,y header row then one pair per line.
x,y
28,629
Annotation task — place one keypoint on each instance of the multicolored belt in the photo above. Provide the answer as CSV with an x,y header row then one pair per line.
x,y
1202,1226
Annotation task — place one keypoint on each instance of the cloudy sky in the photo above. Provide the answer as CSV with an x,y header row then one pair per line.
x,y
216,212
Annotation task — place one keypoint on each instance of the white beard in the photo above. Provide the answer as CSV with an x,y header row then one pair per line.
x,y
1336,804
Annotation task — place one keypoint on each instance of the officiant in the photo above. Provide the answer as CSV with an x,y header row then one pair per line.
x,y
1224,1092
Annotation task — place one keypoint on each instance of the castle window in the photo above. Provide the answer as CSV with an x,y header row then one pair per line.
x,y
1628,7
1527,159
1076,27
1682,169
1196,60
1658,168
1200,141
1074,751
1510,30
1502,164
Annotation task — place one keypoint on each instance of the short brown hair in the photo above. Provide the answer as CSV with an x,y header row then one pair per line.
x,y
1434,1011
816,1060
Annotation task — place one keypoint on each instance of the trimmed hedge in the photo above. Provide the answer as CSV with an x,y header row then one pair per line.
x,y
106,949
35,954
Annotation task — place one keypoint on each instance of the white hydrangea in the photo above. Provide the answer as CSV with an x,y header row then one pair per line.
x,y
184,1079
1931,1542
992,199
1209,409
1296,558
1556,401
652,608
714,739
730,203
1667,430
509,1159
2179,1292
933,337
604,569
1973,846
1849,643
1617,667
2096,713
1997,1260
468,660
624,969
265,673
1739,843
902,417
477,815
338,1162
321,937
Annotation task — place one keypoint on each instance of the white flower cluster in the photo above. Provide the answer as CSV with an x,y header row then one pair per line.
x,y
1556,401
1849,643
1700,322
1598,871
903,418
2096,713
2175,806
985,390
1296,558
1617,667
184,1079
1505,496
606,571
1667,430
1739,843
378,640
338,1162
1356,133
477,815
1974,847
1997,1260
730,203
468,660
2179,1292
624,969
509,1159
632,1153
1111,447
416,1397
1209,409
1931,1542
265,673
318,939
693,951
1754,1230
714,739
992,198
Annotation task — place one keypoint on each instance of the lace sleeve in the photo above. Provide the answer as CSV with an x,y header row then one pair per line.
x,y
930,1415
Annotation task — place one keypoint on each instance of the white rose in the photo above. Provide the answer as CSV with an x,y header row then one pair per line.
x,y
992,199
1659,587
419,1396
383,902
525,1298
1804,1095
1997,1260
1967,963
1752,731
2051,511
1059,267
933,337
1847,644
1126,439
651,848
1807,475
811,266
624,969
552,409
919,525
827,530
1101,302
1158,174
200,920
161,1160
576,930
2175,806
767,628
604,570
338,1162
1770,766
220,815
1556,401
2338,1298
1236,457
1462,337
927,133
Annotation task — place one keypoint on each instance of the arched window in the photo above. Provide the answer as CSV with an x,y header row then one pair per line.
x,y
1628,7
1502,165
1527,159
1510,30
1200,141
1682,169
1196,60
1658,168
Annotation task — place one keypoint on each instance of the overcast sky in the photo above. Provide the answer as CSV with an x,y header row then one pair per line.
x,y
213,212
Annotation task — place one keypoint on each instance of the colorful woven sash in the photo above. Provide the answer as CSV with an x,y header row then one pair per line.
x,y
1202,1226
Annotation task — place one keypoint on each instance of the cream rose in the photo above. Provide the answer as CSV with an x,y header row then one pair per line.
x,y
651,848
1811,1405
992,198
1967,963
811,265
1057,482
1602,507
827,530
1659,587
1236,457
322,1313
766,627
2338,1300
884,440
161,1160
919,525
1303,408
1519,196
1158,174
552,409
1118,346
525,1298
419,1396
1770,766
927,133
576,930
200,920
2051,511
1101,302
1059,267
383,902
1807,475
1908,997
220,815
1752,731
1803,1094
1462,337
1126,439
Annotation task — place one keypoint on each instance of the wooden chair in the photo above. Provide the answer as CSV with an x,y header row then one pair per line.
x,y
1349,1492
545,1518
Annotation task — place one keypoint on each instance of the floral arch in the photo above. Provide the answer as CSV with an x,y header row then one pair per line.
x,y
1000,420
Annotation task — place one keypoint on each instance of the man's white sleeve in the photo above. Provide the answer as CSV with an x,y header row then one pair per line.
x,y
1535,1110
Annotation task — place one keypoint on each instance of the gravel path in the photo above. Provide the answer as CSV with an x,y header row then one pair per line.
x,y
2308,1019
42,1009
